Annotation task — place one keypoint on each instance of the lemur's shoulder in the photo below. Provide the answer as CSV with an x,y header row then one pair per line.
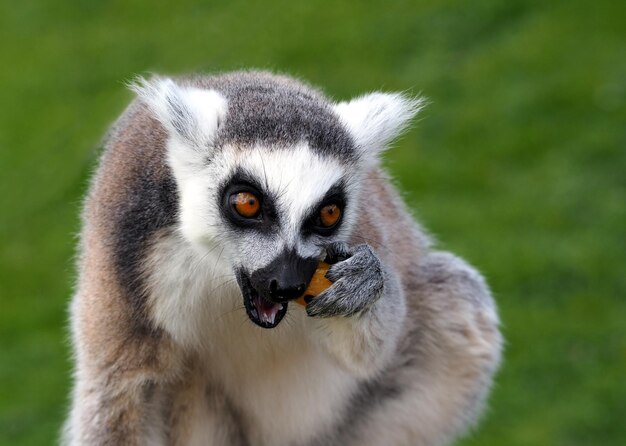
x,y
388,226
132,196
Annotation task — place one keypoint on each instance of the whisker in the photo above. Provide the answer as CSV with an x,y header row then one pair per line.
x,y
229,312
214,289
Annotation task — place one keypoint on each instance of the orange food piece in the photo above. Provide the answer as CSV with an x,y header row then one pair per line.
x,y
318,283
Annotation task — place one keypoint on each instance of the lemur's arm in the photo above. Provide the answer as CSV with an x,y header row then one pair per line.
x,y
119,377
108,413
362,314
439,374
146,396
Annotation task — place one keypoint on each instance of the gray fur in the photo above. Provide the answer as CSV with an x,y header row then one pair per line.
x,y
400,350
358,283
277,110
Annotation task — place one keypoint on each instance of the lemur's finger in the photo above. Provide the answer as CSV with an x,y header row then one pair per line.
x,y
341,299
363,261
338,270
337,252
327,303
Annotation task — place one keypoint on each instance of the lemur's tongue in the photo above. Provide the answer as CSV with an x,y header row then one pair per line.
x,y
266,310
262,311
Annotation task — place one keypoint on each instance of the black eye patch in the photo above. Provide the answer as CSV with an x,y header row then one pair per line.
x,y
242,182
313,224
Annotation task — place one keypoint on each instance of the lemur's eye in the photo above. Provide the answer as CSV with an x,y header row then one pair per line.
x,y
246,204
329,215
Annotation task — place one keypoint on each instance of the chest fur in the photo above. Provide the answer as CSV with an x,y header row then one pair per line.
x,y
280,386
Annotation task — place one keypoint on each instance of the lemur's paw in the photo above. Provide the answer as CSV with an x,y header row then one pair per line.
x,y
357,278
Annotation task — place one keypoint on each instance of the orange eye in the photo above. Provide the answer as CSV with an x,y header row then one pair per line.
x,y
329,215
246,204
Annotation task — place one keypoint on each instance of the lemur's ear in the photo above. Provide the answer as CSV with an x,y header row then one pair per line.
x,y
190,113
376,119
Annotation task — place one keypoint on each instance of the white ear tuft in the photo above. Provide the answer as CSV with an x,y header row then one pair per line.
x,y
191,113
375,119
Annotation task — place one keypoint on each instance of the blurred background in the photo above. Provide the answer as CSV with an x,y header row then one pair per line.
x,y
518,164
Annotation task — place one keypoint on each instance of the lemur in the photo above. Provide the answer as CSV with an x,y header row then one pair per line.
x,y
214,200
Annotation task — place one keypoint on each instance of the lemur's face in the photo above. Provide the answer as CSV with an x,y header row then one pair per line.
x,y
270,212
268,174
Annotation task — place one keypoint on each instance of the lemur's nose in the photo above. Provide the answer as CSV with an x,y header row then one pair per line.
x,y
281,291
286,277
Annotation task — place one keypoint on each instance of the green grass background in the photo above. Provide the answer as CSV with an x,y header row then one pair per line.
x,y
518,164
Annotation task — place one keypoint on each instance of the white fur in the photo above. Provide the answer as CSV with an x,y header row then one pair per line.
x,y
375,119
189,288
297,176
200,257
294,389
356,343
184,298
205,109
194,296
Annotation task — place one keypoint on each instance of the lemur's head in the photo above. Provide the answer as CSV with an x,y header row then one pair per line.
x,y
268,173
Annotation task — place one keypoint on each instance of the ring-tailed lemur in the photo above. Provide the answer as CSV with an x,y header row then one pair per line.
x,y
214,200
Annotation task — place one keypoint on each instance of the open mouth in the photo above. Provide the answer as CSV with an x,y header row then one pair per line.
x,y
260,310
